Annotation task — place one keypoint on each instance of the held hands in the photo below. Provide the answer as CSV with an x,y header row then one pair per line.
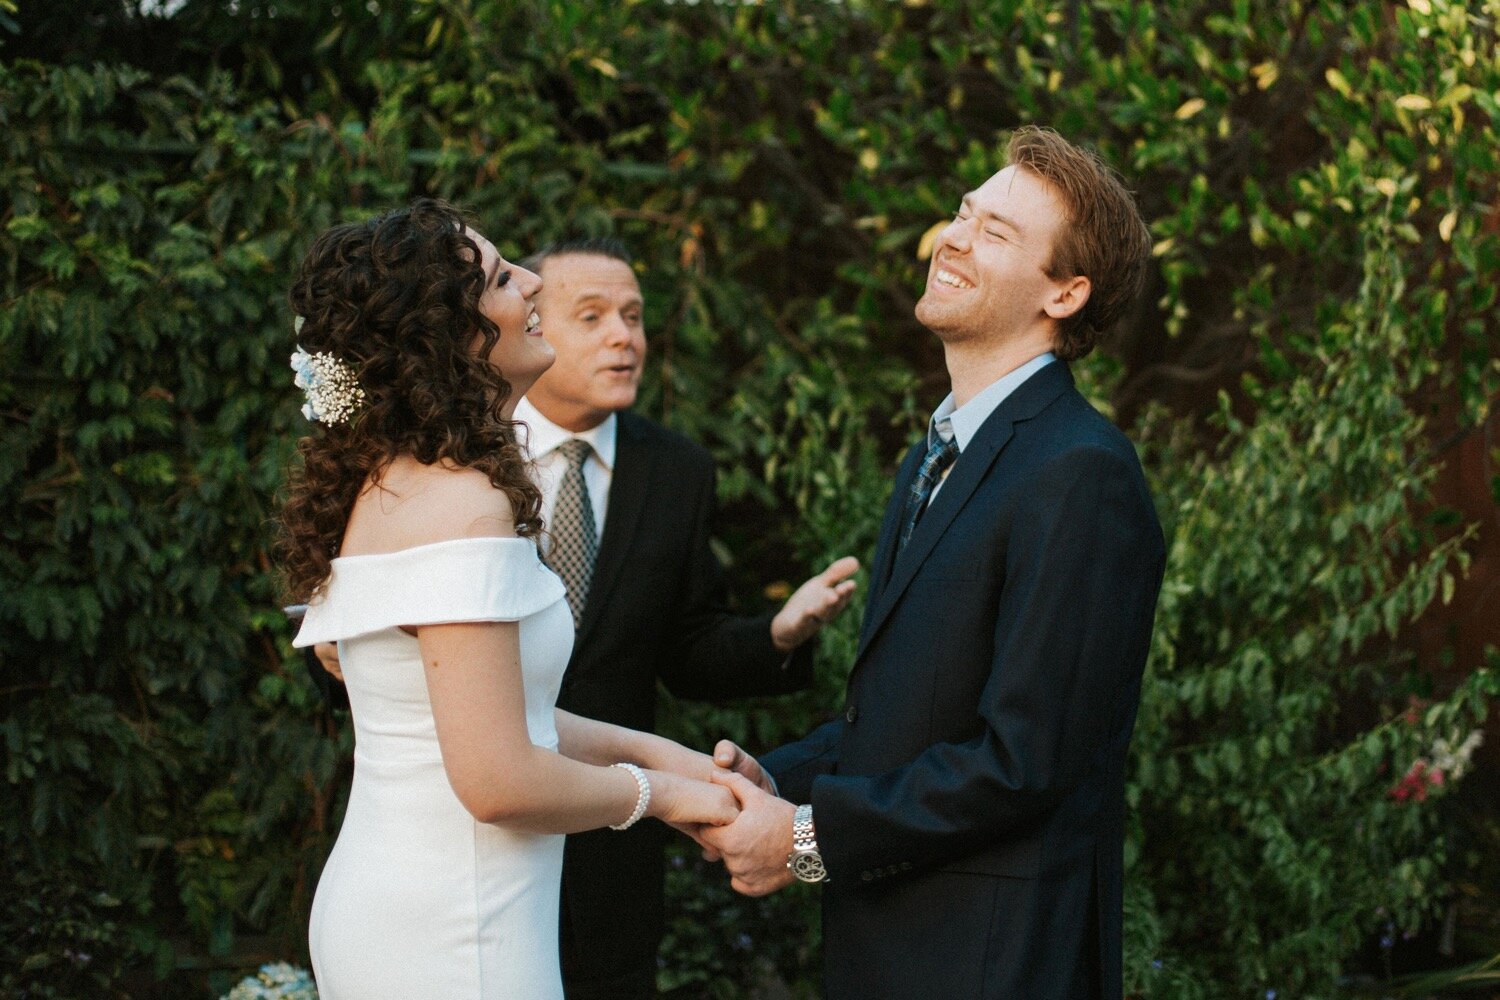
x,y
730,757
755,846
755,839
813,605
690,805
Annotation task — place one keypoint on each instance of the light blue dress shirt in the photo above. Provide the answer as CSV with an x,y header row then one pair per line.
x,y
961,423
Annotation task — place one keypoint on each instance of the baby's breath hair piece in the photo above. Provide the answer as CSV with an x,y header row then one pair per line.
x,y
333,392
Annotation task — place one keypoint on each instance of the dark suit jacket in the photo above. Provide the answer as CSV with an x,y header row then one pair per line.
x,y
969,802
656,610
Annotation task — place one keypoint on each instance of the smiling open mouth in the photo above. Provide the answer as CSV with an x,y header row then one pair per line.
x,y
945,277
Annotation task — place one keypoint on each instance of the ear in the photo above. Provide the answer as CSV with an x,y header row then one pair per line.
x,y
1067,297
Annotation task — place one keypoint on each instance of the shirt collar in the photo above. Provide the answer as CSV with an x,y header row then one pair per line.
x,y
544,436
967,419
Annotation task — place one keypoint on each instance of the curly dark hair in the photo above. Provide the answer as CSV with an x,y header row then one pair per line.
x,y
397,298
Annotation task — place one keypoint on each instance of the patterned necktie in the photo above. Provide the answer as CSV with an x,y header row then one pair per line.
x,y
941,455
575,539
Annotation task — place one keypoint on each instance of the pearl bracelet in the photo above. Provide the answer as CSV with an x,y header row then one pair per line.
x,y
642,799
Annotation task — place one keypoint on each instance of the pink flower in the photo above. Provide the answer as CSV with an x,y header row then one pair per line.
x,y
1415,782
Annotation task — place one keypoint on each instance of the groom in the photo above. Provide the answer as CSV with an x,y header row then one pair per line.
x,y
965,811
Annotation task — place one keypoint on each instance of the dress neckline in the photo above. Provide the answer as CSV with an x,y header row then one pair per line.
x,y
431,545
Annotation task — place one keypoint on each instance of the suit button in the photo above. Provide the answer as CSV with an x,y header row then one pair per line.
x,y
866,876
852,713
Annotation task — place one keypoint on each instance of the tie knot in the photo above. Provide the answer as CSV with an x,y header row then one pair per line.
x,y
941,452
575,450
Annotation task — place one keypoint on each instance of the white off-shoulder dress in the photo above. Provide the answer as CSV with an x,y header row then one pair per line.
x,y
418,898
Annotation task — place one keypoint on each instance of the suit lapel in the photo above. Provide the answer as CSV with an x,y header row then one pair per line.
x,y
627,505
885,547
973,465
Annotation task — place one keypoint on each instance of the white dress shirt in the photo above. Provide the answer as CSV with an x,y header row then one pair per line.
x,y
966,420
540,439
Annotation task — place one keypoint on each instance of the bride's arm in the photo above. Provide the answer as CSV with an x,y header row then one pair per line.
x,y
478,703
595,742
478,698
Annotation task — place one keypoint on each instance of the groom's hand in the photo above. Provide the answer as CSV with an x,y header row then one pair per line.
x,y
815,603
730,757
756,845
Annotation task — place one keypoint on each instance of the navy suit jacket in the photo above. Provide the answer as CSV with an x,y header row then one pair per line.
x,y
969,800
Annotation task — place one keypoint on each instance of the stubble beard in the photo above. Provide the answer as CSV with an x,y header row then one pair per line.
x,y
946,324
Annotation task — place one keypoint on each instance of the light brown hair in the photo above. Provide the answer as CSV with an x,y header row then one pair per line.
x,y
1103,238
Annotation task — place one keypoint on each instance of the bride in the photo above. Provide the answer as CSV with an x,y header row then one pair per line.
x,y
411,530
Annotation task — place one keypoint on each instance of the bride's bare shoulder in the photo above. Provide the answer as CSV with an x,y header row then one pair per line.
x,y
414,504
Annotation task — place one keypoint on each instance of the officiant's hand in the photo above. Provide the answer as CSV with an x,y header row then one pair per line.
x,y
813,605
755,846
328,655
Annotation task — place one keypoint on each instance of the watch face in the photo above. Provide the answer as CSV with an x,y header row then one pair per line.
x,y
809,867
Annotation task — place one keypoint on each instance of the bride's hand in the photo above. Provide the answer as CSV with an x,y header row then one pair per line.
x,y
662,754
686,802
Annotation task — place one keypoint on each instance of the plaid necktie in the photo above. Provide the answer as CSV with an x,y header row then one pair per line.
x,y
575,539
939,456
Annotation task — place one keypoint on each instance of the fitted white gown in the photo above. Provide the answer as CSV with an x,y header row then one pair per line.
x,y
419,899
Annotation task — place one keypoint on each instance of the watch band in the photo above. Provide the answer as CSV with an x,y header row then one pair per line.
x,y
805,862
804,836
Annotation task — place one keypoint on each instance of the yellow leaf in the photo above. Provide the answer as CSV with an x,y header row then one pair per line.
x,y
1420,6
1265,74
604,66
1054,80
924,245
1413,102
434,32
1190,108
1160,249
1337,81
1386,186
869,159
1445,227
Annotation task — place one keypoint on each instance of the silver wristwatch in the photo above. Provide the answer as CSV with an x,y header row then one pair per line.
x,y
805,861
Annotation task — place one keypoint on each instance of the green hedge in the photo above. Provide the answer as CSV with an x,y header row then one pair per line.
x,y
1319,178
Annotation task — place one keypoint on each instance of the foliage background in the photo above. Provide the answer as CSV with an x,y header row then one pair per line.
x,y
1321,179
